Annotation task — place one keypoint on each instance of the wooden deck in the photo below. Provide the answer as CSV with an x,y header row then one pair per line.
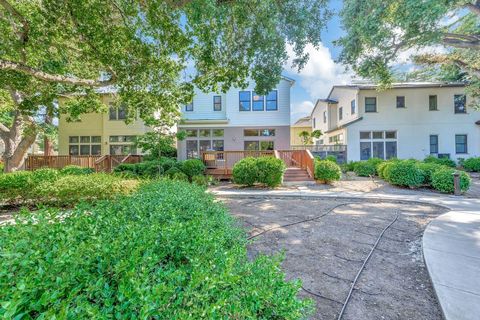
x,y
104,163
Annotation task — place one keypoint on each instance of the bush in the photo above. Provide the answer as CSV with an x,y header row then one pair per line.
x,y
200,180
327,171
179,176
245,171
192,167
15,186
331,158
349,166
168,251
149,169
76,170
376,162
442,180
270,171
472,164
365,169
69,190
428,169
170,172
405,173
443,161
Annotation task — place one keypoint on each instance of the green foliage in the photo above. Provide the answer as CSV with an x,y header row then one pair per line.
x,y
327,171
76,170
179,176
428,168
331,158
200,180
15,186
147,169
270,171
365,169
404,173
245,171
442,161
170,172
349,166
472,164
192,167
157,144
169,249
307,137
442,180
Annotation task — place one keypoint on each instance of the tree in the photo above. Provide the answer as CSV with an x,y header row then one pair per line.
x,y
377,31
307,137
159,143
142,48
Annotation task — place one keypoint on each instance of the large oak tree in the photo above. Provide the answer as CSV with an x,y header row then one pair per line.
x,y
49,48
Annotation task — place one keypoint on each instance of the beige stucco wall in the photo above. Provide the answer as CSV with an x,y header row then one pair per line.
x,y
294,132
96,124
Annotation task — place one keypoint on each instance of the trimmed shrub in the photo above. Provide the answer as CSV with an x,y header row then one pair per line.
x,y
245,171
327,171
170,172
15,186
472,164
270,171
376,162
405,173
169,251
76,170
428,169
349,166
365,169
149,169
442,180
179,176
69,190
443,161
331,157
192,167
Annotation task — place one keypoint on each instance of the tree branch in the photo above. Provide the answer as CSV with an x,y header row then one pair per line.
x,y
44,76
475,8
461,41
444,59
23,35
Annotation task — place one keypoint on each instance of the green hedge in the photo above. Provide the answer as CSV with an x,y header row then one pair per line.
x,y
267,171
443,161
428,168
76,170
404,173
167,252
472,164
367,168
442,180
327,171
149,169
192,167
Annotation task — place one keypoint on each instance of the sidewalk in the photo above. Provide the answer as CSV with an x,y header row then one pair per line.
x,y
451,243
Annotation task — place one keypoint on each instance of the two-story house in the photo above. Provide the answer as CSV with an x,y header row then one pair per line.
x,y
409,120
239,119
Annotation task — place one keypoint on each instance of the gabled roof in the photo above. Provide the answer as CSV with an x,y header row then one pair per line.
x,y
303,122
402,85
330,101
345,125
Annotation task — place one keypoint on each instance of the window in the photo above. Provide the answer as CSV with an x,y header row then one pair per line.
x,y
258,102
191,132
377,148
96,139
73,139
259,132
365,135
217,103
122,139
266,145
201,140
401,102
432,103
204,133
189,107
314,123
352,107
85,139
250,133
365,150
390,149
205,145
84,149
377,134
73,150
84,145
433,143
122,149
324,116
245,100
119,113
217,132
272,101
258,145
379,144
370,104
96,150
192,149
460,102
218,145
267,132
460,143
340,113
390,134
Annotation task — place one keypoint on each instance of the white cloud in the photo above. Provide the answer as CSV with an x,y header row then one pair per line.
x,y
320,72
301,109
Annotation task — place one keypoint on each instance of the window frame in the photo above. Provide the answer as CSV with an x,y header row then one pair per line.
x,y
433,144
217,105
240,101
464,100
262,100
269,100
353,107
189,107
369,104
435,106
400,102
465,144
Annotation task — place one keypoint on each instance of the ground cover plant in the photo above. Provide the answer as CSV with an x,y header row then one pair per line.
x,y
169,251
266,171
327,171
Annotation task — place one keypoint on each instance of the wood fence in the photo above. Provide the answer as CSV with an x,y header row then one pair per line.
x,y
99,163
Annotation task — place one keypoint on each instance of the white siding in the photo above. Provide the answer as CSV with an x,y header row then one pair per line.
x,y
203,107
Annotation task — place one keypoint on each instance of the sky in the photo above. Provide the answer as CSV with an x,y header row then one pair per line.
x,y
321,72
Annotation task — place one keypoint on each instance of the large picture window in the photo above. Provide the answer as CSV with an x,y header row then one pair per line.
x,y
378,144
84,145
201,140
245,100
272,100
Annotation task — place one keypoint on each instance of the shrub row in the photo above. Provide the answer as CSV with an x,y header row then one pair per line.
x,y
471,164
266,171
327,171
163,167
168,251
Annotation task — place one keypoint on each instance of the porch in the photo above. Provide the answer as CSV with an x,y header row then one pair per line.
x,y
104,163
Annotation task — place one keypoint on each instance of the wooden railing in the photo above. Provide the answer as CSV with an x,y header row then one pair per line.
x,y
225,160
297,158
100,163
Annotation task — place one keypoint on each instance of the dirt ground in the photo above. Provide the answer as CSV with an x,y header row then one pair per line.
x,y
327,252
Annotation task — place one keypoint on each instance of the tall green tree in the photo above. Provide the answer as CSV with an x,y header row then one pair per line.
x,y
49,48
377,31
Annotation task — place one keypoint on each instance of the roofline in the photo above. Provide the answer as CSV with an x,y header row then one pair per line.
x,y
401,86
292,81
345,125
321,100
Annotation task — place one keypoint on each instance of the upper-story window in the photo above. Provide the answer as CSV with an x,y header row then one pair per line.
x,y
217,103
314,123
370,104
324,116
119,113
189,107
460,101
340,113
432,103
400,101
272,100
352,107
245,100
258,102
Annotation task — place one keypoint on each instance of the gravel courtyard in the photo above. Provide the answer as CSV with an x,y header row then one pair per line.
x,y
327,250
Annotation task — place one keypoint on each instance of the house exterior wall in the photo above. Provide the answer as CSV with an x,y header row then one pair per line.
x,y
97,124
317,114
295,140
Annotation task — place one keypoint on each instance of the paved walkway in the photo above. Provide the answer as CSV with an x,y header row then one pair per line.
x,y
451,243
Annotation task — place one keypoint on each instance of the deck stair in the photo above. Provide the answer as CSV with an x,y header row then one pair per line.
x,y
293,174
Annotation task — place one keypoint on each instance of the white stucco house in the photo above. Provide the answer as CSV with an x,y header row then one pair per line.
x,y
410,120
239,119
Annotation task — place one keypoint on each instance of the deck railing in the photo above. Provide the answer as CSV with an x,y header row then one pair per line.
x,y
298,158
100,163
225,160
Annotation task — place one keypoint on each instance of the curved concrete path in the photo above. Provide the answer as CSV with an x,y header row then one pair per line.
x,y
451,244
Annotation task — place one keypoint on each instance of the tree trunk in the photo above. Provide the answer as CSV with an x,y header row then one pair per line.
x,y
47,143
15,153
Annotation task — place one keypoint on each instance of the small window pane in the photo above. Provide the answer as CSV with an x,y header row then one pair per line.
x,y
245,100
112,114
365,135
191,132
96,139
365,150
85,139
267,132
250,133
96,150
390,149
122,112
433,144
205,145
217,132
432,103
130,138
370,104
73,150
390,135
189,107
217,145
217,103
192,149
460,101
258,102
378,149
272,101
204,132
377,134
266,145
401,102
251,145
85,150
73,139
114,138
